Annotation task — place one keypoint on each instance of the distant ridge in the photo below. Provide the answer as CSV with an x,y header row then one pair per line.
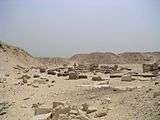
x,y
112,58
11,56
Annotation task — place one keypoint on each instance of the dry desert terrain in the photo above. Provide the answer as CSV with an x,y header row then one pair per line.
x,y
95,86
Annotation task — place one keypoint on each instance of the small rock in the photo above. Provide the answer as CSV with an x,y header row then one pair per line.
x,y
51,72
42,70
26,98
73,75
85,107
44,79
7,75
157,103
150,89
3,113
130,88
55,104
24,80
74,112
3,80
42,117
156,83
91,110
97,79
40,81
35,85
83,77
36,76
25,77
53,81
59,74
101,114
29,84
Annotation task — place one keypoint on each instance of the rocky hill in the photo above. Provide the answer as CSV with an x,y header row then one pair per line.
x,y
122,58
11,56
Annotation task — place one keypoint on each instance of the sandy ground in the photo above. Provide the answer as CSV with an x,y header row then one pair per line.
x,y
121,103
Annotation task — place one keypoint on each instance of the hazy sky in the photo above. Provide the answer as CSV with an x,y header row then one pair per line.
x,y
65,27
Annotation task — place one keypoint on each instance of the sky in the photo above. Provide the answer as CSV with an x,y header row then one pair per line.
x,y
59,28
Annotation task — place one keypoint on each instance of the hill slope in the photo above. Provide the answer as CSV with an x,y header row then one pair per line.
x,y
11,56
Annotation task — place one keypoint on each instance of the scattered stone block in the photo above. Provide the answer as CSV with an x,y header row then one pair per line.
x,y
83,77
36,76
51,72
73,75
